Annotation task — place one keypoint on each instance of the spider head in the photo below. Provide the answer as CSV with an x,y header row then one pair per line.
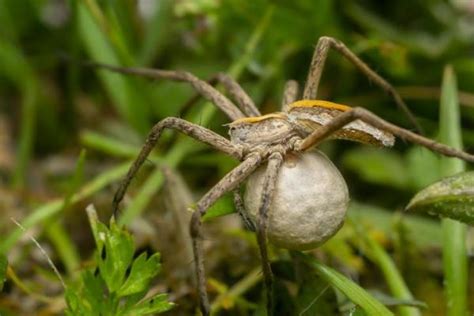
x,y
261,130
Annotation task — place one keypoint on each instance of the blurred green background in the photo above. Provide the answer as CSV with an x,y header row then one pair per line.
x,y
52,107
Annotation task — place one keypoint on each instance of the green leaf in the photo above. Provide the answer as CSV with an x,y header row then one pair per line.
x,y
3,269
99,230
88,296
223,206
74,306
353,291
115,250
155,304
93,291
143,270
452,197
115,257
106,290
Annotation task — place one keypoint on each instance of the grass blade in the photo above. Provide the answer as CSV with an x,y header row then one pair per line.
x,y
454,232
353,291
56,232
156,32
392,276
15,66
3,270
126,94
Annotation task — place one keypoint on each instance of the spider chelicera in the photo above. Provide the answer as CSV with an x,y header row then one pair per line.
x,y
271,141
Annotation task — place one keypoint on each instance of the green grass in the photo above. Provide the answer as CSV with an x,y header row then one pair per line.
x,y
55,108
454,232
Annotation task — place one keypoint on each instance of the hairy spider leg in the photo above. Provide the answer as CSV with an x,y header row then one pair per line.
x,y
198,132
228,183
202,87
235,91
317,65
240,208
271,175
290,94
308,115
338,122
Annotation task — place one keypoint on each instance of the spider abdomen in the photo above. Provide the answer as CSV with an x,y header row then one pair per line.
x,y
309,203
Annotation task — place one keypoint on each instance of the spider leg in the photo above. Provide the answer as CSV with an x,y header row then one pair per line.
x,y
239,205
244,102
269,183
290,94
362,114
228,183
198,132
202,87
317,66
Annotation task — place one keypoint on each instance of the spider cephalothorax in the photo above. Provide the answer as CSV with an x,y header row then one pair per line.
x,y
275,153
266,130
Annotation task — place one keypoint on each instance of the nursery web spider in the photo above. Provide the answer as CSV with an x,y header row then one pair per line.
x,y
256,140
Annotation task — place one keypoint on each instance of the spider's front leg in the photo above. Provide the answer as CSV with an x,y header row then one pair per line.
x,y
230,181
246,106
236,92
202,87
368,117
290,94
317,65
198,132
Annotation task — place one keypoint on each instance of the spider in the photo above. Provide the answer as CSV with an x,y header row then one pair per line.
x,y
269,142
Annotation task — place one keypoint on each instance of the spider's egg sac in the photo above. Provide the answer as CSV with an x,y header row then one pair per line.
x,y
309,204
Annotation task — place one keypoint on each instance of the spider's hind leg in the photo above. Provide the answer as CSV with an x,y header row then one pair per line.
x,y
317,65
226,184
240,208
268,190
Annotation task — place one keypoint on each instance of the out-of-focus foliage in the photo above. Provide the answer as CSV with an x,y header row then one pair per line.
x,y
52,106
3,270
